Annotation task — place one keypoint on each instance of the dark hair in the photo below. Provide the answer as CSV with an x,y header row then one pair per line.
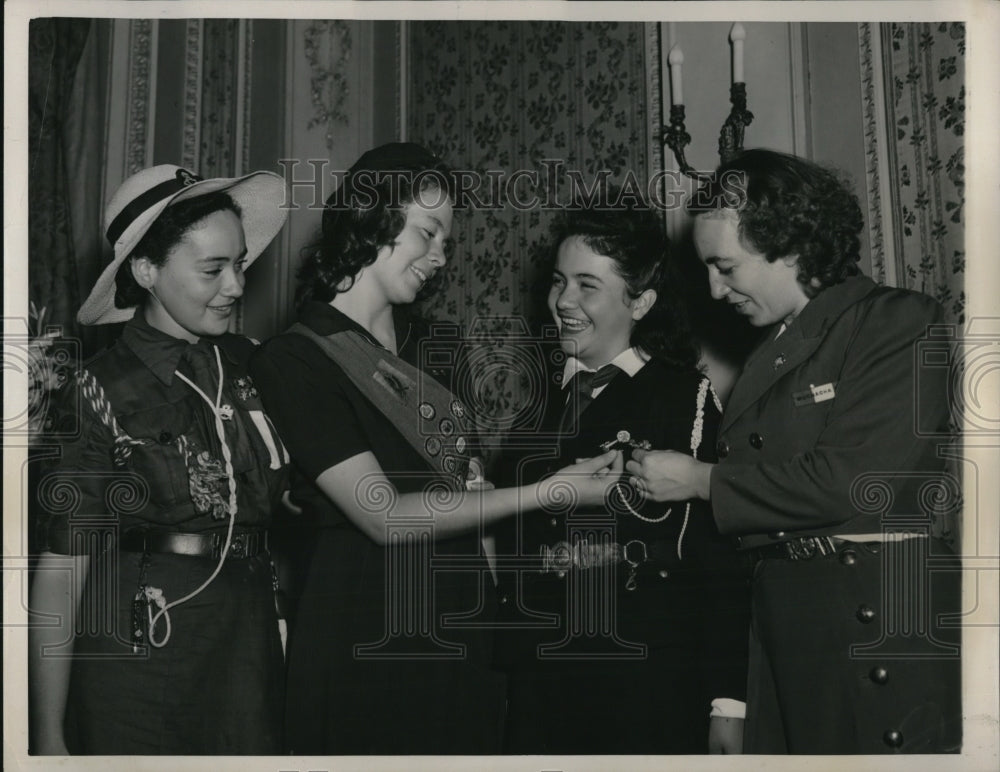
x,y
634,239
367,212
790,206
163,235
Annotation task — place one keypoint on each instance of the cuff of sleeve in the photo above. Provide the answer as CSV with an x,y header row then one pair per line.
x,y
724,707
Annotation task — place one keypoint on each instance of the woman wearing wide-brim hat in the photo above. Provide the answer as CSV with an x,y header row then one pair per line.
x,y
156,565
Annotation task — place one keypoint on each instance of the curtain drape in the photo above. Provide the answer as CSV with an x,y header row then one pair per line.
x,y
54,259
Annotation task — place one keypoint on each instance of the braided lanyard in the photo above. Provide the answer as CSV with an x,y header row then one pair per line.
x,y
696,433
93,392
221,412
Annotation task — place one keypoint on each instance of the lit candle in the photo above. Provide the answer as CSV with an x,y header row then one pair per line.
x,y
675,60
737,35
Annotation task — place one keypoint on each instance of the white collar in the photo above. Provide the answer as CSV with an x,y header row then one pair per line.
x,y
630,361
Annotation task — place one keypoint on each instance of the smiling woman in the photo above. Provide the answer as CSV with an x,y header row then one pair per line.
x,y
380,660
834,404
590,304
764,291
175,446
650,608
195,287
419,250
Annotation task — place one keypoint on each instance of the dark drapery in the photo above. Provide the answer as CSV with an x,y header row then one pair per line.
x,y
55,48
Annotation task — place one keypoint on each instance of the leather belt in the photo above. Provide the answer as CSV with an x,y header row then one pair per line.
x,y
244,544
803,548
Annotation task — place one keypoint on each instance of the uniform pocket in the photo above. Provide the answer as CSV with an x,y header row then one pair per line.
x,y
159,460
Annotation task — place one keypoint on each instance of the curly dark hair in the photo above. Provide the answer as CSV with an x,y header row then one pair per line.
x,y
634,238
163,235
367,212
790,206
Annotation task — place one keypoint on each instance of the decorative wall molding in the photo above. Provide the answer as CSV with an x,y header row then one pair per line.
x,y
142,95
654,99
193,51
880,216
244,94
327,47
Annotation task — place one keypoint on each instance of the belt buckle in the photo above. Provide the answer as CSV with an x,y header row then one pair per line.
x,y
238,546
625,550
557,558
803,548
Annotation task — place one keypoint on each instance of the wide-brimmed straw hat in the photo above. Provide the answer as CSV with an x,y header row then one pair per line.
x,y
143,197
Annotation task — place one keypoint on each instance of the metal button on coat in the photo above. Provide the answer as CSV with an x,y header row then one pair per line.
x,y
756,441
865,614
848,557
893,739
879,675
778,535
553,522
722,449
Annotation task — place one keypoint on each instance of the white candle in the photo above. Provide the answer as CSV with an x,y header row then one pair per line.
x,y
737,35
675,60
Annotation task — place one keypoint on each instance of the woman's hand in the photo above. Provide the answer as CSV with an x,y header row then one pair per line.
x,y
55,593
666,475
725,735
585,482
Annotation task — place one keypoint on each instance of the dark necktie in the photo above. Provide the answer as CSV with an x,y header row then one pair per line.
x,y
581,393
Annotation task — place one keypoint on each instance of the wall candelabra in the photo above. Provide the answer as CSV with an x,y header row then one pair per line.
x,y
675,135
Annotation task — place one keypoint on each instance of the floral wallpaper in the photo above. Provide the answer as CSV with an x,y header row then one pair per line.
x,y
923,77
533,108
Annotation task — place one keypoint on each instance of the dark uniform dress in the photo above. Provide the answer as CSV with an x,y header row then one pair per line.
x,y
625,669
833,430
390,652
215,687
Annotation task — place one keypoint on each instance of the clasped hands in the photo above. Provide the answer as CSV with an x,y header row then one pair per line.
x,y
666,475
659,475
